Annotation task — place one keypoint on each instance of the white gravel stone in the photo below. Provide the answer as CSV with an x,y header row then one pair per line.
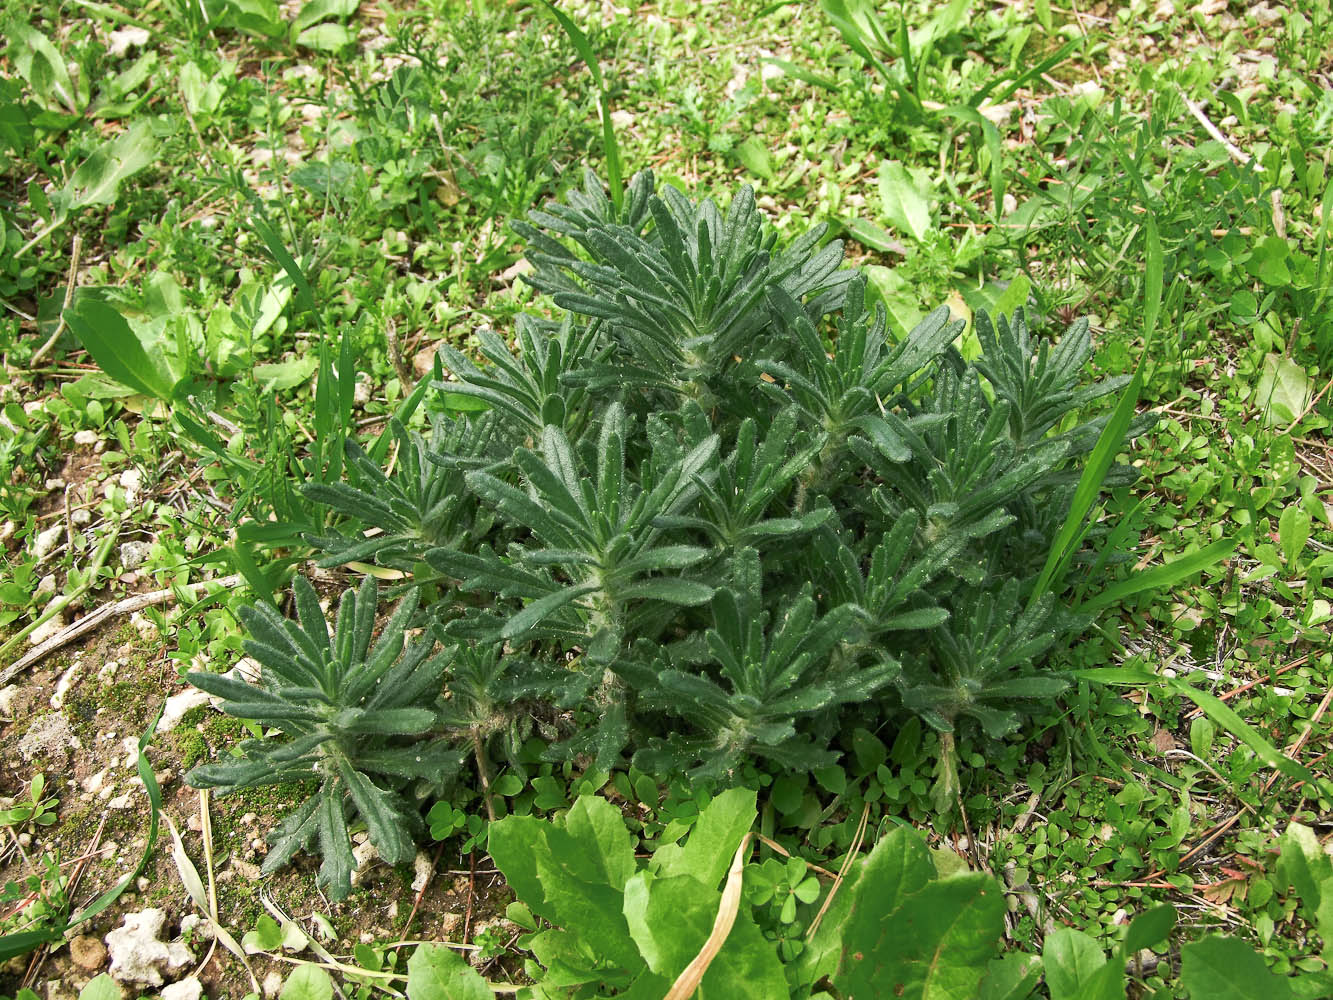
x,y
186,989
421,871
365,855
46,630
176,707
120,42
133,554
49,737
138,953
63,685
46,541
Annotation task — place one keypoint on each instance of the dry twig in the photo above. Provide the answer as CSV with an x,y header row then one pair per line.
x,y
107,611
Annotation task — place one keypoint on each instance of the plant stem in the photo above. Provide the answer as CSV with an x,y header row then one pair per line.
x,y
483,772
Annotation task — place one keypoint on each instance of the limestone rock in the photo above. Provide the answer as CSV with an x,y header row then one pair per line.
x,y
45,541
46,630
365,855
50,737
176,707
133,554
8,695
138,953
186,989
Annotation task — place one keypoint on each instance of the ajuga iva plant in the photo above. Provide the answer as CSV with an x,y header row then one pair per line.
x,y
708,516
358,721
421,505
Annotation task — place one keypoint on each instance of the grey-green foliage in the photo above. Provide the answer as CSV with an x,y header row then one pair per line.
x,y
358,718
714,512
720,421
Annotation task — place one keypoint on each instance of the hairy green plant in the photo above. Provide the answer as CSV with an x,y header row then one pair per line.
x,y
421,505
355,716
699,521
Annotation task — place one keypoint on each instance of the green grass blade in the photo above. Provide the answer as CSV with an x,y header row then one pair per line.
x,y
14,945
1089,488
1220,713
610,145
145,769
1045,66
803,74
991,136
278,250
1321,243
1152,281
1108,444
1161,577
243,561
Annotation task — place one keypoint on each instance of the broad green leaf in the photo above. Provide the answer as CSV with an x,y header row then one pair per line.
x,y
873,236
321,10
203,95
1304,864
947,21
905,199
307,982
1013,297
116,348
1268,261
599,829
1012,977
707,852
514,843
260,17
436,972
1077,968
935,946
1283,391
283,375
1149,929
900,300
102,987
327,37
562,877
671,918
1293,531
754,156
97,180
1224,968
266,936
41,64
